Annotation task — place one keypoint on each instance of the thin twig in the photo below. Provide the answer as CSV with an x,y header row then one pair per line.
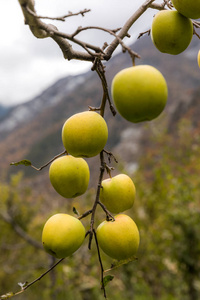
x,y
49,162
108,214
63,18
102,169
196,34
123,32
87,213
45,273
110,154
26,286
196,24
98,66
143,33
101,264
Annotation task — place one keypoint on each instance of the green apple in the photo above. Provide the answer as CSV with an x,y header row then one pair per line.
x,y
188,8
62,235
69,176
85,134
198,58
171,32
118,193
119,239
139,93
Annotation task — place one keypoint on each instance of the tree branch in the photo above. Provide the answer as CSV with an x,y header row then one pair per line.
x,y
126,27
63,18
43,30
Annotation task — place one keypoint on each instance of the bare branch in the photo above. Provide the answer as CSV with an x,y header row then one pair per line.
x,y
43,30
196,24
126,27
143,33
162,5
63,18
49,162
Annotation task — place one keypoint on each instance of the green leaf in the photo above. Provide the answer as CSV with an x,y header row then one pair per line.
x,y
75,211
24,162
119,263
107,279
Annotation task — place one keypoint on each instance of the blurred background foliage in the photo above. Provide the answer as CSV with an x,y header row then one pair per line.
x,y
166,210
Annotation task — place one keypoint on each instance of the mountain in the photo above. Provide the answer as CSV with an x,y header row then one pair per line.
x,y
33,130
3,111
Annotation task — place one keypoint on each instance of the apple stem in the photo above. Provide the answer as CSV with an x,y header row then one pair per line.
x,y
109,216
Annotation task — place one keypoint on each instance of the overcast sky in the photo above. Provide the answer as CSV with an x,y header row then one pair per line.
x,y
29,65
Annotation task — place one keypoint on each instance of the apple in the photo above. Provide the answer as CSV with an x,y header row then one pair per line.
x,y
188,8
85,134
62,235
69,176
198,58
118,193
119,239
171,32
139,93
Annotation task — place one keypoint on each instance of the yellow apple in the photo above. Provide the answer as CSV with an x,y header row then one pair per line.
x,y
118,193
171,32
69,176
62,235
85,134
119,239
188,8
139,93
198,58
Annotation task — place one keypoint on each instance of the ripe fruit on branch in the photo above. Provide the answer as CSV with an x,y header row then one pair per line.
x,y
198,58
171,32
69,176
139,93
118,193
62,235
119,239
85,134
188,8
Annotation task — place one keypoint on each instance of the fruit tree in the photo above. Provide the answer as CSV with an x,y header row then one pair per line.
x,y
139,94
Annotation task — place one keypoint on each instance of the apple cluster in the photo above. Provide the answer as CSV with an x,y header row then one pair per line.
x,y
172,30
85,135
